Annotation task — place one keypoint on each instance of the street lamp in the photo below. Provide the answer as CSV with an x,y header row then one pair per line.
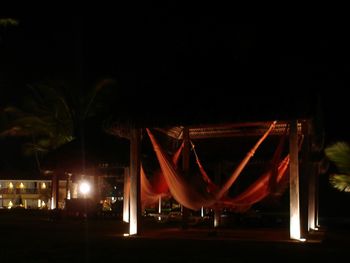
x,y
84,188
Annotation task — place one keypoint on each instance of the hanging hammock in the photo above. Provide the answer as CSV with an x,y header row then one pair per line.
x,y
151,192
261,188
265,185
183,192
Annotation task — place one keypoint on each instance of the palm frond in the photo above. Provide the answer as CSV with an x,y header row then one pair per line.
x,y
340,182
339,154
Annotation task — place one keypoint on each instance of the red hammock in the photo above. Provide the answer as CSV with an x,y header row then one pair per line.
x,y
182,191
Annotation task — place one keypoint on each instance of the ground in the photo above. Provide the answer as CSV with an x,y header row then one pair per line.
x,y
37,238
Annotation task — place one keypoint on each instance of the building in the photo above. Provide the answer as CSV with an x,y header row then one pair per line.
x,y
29,193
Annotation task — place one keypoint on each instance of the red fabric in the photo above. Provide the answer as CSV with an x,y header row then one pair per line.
x,y
256,191
159,183
183,191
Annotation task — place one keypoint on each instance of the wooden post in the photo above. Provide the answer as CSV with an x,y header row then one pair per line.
x,y
185,167
304,185
135,186
126,198
317,178
54,191
294,182
312,224
217,209
68,186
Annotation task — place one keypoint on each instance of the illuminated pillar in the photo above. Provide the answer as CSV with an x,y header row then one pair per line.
x,y
68,193
135,187
304,178
317,195
160,205
126,199
294,181
54,191
217,210
217,217
312,199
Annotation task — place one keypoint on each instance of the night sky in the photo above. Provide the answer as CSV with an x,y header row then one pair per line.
x,y
170,58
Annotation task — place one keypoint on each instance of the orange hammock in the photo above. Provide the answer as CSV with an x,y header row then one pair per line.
x,y
256,191
151,192
269,183
183,192
266,184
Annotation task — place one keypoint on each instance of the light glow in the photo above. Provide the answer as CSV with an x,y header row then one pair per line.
x,y
52,201
43,186
84,187
21,185
160,205
133,224
10,186
295,225
10,205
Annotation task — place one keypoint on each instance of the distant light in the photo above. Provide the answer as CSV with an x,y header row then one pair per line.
x,y
43,186
10,205
21,185
126,234
84,187
10,186
52,203
39,202
302,239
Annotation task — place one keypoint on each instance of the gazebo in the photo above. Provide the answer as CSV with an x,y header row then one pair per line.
x,y
249,117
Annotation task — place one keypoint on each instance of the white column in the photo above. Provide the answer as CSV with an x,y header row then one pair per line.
x,y
126,198
135,190
294,181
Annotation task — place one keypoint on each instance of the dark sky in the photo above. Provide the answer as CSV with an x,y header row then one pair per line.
x,y
183,57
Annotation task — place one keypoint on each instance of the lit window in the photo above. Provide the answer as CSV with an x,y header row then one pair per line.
x,y
21,185
10,185
43,186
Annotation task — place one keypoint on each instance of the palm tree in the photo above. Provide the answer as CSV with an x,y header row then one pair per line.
x,y
339,154
52,115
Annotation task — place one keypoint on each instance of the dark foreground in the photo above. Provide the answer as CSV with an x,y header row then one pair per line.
x,y
30,237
